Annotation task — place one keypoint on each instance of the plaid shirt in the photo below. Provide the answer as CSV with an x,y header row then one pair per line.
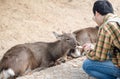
x,y
108,38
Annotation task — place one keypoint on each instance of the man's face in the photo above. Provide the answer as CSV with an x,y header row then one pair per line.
x,y
97,18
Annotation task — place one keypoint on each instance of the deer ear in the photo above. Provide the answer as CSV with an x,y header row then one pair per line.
x,y
63,32
58,36
74,34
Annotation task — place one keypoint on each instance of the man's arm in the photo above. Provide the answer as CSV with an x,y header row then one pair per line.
x,y
102,46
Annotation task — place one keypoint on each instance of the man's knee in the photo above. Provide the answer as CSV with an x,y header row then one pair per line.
x,y
86,63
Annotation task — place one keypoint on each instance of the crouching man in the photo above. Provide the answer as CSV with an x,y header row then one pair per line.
x,y
103,62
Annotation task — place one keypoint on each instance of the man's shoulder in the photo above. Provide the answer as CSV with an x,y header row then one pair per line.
x,y
111,27
113,21
108,27
111,24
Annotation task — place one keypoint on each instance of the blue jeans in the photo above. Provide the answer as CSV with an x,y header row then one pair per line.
x,y
101,70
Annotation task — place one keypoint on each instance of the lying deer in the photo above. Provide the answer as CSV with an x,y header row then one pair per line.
x,y
23,58
86,35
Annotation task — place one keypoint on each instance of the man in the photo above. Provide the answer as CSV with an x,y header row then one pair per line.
x,y
103,62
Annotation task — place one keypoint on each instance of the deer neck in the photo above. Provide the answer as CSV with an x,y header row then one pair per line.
x,y
62,46
58,49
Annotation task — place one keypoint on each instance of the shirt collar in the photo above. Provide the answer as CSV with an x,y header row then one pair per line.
x,y
108,16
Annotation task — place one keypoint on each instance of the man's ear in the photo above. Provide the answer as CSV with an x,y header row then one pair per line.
x,y
97,13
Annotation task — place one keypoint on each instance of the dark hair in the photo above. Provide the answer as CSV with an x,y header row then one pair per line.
x,y
103,7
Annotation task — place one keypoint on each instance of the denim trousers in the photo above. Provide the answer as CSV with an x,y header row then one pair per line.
x,y
101,70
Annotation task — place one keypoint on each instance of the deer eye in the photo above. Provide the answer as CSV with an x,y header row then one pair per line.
x,y
67,39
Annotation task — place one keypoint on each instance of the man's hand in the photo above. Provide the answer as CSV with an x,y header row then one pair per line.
x,y
88,46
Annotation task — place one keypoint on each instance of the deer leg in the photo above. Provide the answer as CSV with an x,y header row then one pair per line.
x,y
62,59
28,72
44,65
38,69
35,70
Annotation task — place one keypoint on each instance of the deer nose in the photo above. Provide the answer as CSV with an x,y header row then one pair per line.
x,y
78,43
75,44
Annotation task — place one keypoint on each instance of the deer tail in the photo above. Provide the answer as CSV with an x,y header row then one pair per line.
x,y
6,73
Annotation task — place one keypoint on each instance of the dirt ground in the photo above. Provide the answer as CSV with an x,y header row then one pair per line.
x,y
27,21
24,21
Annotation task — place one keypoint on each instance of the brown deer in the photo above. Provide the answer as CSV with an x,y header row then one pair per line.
x,y
23,58
86,35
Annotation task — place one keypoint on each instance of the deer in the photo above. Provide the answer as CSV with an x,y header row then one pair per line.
x,y
21,59
85,35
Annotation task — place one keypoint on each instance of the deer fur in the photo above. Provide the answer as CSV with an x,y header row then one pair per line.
x,y
23,58
85,35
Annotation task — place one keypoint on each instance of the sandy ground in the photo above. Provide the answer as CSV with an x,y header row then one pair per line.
x,y
27,21
24,21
